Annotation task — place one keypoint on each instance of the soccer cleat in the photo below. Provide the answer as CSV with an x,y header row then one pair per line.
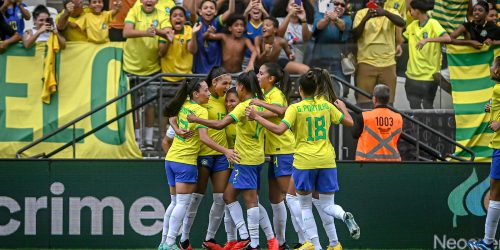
x,y
241,244
284,247
273,244
297,246
170,247
336,247
185,245
211,245
161,247
480,245
229,245
353,227
307,245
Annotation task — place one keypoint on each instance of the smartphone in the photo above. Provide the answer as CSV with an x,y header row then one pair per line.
x,y
298,2
50,21
329,7
371,5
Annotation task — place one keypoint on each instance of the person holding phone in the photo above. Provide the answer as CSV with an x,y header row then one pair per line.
x,y
295,19
331,31
43,25
375,31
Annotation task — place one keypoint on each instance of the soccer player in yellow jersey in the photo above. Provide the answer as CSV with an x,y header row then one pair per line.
x,y
279,148
212,165
493,214
314,158
245,176
180,163
96,23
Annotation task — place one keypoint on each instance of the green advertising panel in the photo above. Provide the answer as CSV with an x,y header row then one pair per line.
x,y
120,204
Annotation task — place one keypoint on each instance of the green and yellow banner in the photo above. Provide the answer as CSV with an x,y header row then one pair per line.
x,y
87,75
471,91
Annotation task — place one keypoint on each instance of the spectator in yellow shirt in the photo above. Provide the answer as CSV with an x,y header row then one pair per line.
x,y
96,23
375,30
66,20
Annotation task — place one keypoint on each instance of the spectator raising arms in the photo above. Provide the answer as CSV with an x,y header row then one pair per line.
x,y
331,30
66,20
295,24
254,13
209,52
8,35
424,36
15,13
478,31
234,45
44,24
375,30
177,50
143,26
96,23
269,47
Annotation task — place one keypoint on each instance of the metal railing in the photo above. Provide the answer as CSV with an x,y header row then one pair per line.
x,y
157,79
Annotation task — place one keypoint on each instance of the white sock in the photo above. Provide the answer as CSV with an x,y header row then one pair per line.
x,y
328,223
166,218
264,223
177,216
215,217
149,135
237,216
253,226
308,219
296,214
327,202
231,230
192,209
490,226
279,221
137,135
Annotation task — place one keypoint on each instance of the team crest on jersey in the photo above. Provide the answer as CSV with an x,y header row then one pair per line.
x,y
396,6
167,10
484,33
155,23
181,41
425,35
104,26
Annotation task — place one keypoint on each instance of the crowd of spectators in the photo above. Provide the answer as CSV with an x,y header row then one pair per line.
x,y
192,36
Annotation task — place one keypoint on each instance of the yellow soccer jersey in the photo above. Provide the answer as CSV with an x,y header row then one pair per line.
x,y
231,135
72,33
140,55
249,136
178,58
182,150
278,144
398,5
495,115
216,111
163,5
96,26
310,120
377,44
423,63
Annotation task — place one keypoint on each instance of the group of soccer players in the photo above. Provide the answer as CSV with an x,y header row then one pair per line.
x,y
223,134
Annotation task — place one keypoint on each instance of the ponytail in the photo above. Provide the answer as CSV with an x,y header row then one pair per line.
x,y
251,84
187,88
325,85
214,73
282,78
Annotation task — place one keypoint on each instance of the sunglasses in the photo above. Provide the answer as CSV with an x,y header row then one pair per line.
x,y
339,3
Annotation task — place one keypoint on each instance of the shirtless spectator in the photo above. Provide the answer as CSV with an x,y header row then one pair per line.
x,y
234,45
